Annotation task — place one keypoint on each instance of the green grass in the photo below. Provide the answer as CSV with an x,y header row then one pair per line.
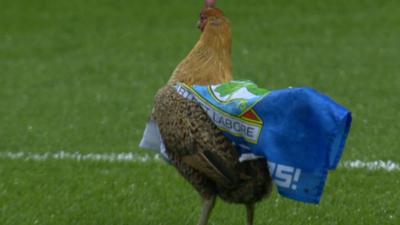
x,y
81,75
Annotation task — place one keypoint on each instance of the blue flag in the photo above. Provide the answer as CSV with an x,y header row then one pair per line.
x,y
301,132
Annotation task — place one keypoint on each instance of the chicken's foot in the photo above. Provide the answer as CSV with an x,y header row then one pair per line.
x,y
250,213
208,205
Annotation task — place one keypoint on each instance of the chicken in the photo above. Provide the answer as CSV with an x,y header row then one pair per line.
x,y
194,145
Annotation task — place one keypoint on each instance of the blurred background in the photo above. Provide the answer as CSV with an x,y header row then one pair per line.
x,y
80,76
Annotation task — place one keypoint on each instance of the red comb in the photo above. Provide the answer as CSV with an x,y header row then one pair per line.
x,y
210,3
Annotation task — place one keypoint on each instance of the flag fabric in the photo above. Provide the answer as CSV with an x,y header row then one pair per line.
x,y
300,131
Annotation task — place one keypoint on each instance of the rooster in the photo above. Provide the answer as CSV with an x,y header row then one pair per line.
x,y
194,145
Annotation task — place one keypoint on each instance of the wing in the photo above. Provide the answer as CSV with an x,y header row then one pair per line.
x,y
191,137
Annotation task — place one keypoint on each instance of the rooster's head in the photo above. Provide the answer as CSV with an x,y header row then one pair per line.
x,y
210,15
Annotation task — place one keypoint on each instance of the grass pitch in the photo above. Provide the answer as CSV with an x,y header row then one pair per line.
x,y
81,75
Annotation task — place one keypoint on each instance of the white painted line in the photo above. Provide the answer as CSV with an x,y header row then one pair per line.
x,y
372,165
133,157
76,156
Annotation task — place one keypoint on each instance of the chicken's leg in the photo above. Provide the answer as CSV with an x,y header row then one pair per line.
x,y
208,205
250,213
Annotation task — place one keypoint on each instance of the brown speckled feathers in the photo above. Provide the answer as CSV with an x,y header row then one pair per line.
x,y
203,155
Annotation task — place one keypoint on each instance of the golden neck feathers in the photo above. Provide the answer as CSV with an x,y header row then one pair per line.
x,y
209,62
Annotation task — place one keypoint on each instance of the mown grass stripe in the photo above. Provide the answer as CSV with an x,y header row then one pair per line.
x,y
133,157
